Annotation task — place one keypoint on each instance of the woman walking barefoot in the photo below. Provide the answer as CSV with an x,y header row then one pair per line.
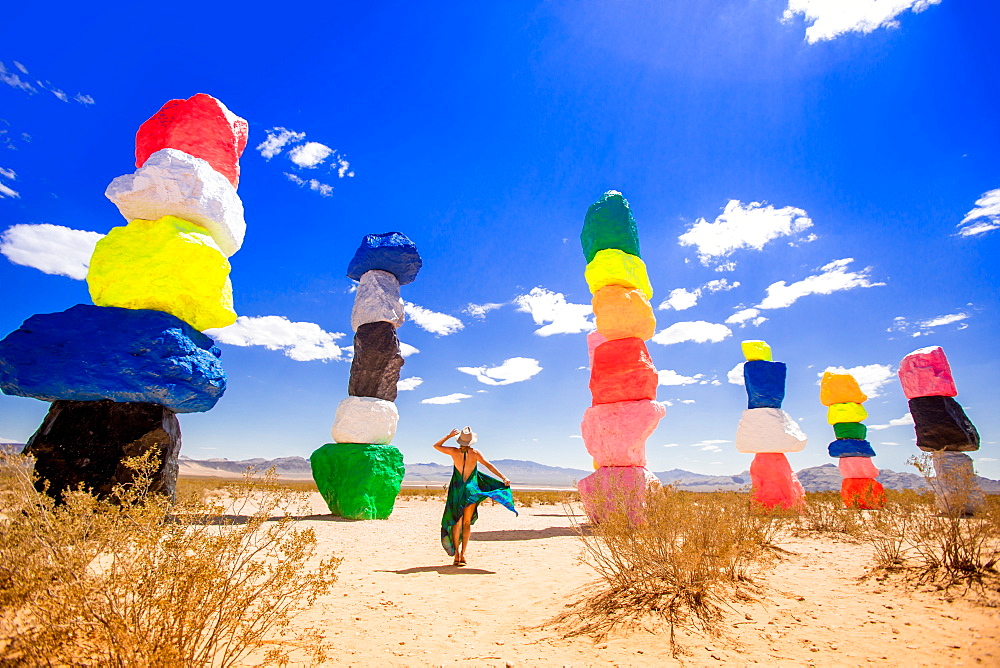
x,y
468,487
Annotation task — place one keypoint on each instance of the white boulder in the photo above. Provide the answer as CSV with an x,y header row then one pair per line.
x,y
768,430
173,183
365,420
377,299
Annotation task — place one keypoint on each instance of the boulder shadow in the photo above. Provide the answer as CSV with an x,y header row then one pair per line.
x,y
445,569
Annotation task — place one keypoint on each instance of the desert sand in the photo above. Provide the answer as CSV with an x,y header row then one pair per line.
x,y
398,601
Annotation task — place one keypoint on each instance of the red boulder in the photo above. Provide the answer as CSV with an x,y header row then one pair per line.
x,y
622,371
200,126
862,493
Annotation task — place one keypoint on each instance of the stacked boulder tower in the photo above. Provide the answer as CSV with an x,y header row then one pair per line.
x,y
118,371
942,429
843,397
624,411
360,473
768,432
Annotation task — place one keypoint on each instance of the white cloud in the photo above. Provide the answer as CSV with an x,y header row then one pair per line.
x,y
687,401
984,217
871,377
447,399
407,384
301,341
550,307
669,377
746,316
513,370
924,327
698,331
310,155
985,459
405,349
6,191
833,277
680,299
671,445
324,189
735,375
53,249
480,310
8,174
276,140
829,19
742,226
440,324
898,422
888,443
13,80
83,99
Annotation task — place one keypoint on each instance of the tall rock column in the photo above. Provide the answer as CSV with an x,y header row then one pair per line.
x,y
942,429
623,380
768,432
118,372
843,397
359,474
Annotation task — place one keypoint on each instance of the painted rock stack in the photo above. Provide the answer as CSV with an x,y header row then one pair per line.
x,y
359,474
768,432
843,397
623,379
942,429
118,372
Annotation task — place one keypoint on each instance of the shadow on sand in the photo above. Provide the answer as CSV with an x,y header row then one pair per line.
x,y
522,534
442,570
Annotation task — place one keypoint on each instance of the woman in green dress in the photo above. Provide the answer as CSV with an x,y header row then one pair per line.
x,y
468,487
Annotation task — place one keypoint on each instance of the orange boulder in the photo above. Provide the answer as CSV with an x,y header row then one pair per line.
x,y
622,312
840,388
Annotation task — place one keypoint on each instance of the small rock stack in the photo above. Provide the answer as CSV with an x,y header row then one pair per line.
x,y
769,432
118,371
843,397
942,429
623,379
359,474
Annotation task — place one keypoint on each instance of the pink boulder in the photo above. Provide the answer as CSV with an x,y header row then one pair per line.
x,y
775,485
200,126
857,467
622,371
594,339
615,434
926,373
615,489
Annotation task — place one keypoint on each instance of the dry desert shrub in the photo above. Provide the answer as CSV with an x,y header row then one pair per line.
x,y
205,488
139,581
824,512
914,534
425,493
531,498
680,562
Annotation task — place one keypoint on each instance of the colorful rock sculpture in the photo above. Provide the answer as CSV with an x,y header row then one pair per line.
x,y
769,432
623,380
119,371
942,428
200,126
166,265
359,474
89,353
842,395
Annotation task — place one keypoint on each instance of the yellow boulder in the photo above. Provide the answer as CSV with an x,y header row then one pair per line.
x,y
756,350
839,388
622,312
614,267
848,411
166,265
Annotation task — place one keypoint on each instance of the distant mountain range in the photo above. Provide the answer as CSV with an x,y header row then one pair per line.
x,y
531,474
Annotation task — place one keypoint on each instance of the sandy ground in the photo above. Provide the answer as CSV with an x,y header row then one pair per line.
x,y
398,601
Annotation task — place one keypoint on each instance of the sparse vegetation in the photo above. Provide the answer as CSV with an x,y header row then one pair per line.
x,y
142,581
680,562
824,512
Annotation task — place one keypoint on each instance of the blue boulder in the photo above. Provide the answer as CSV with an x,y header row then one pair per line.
x,y
89,353
392,252
765,383
851,447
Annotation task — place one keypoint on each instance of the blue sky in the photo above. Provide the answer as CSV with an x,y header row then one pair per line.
x,y
817,174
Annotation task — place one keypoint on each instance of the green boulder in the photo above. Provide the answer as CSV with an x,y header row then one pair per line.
x,y
850,430
358,481
609,224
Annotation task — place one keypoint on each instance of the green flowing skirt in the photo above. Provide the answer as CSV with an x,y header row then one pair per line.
x,y
463,493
